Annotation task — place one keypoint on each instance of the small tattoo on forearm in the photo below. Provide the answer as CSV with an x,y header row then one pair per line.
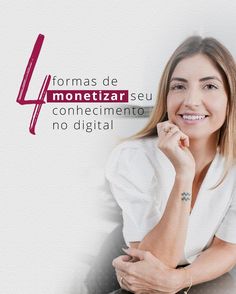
x,y
186,196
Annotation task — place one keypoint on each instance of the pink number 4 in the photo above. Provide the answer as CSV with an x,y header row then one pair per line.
x,y
25,84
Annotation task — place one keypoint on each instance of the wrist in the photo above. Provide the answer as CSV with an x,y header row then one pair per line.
x,y
184,176
185,172
178,279
185,278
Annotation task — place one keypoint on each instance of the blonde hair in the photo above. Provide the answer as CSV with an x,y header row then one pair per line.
x,y
225,63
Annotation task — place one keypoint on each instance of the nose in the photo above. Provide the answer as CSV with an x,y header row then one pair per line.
x,y
193,98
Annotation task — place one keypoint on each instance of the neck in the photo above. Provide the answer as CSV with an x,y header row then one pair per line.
x,y
203,151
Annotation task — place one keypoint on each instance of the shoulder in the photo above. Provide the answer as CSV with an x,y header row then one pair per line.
x,y
228,171
133,160
133,150
144,144
223,176
231,180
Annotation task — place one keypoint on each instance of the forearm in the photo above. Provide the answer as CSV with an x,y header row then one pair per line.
x,y
166,240
211,264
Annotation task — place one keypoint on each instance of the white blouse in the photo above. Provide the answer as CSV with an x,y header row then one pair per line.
x,y
141,178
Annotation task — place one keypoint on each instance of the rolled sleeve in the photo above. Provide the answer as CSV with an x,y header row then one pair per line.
x,y
133,184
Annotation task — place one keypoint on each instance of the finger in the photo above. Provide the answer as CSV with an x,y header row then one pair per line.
x,y
120,277
170,130
136,283
123,284
126,257
167,123
119,274
121,258
183,139
117,261
131,287
119,264
166,128
140,254
139,288
161,126
178,136
185,142
159,129
130,279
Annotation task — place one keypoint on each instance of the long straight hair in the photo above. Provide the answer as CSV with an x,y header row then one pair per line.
x,y
225,63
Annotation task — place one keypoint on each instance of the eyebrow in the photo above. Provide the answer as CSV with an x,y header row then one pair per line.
x,y
201,80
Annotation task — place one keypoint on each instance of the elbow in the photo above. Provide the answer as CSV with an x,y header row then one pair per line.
x,y
168,257
171,262
168,260
233,263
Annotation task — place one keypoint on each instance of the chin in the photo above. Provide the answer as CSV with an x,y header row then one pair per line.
x,y
199,135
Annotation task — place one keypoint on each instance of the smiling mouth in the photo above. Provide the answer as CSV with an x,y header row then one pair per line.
x,y
193,117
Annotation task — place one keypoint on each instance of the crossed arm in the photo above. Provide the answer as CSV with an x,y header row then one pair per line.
x,y
150,275
218,259
166,240
165,244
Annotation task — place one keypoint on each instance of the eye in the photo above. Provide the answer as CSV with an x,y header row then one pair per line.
x,y
177,87
210,87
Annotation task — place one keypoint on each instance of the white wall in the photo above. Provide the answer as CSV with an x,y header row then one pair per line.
x,y
51,182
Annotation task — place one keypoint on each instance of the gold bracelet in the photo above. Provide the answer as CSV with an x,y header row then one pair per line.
x,y
190,285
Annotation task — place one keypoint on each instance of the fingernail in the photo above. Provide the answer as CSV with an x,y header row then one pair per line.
x,y
126,250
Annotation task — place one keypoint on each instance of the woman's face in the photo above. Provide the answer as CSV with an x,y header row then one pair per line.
x,y
197,99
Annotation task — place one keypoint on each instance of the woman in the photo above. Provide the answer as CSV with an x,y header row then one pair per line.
x,y
175,181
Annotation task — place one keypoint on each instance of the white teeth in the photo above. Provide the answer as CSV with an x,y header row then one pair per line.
x,y
193,117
